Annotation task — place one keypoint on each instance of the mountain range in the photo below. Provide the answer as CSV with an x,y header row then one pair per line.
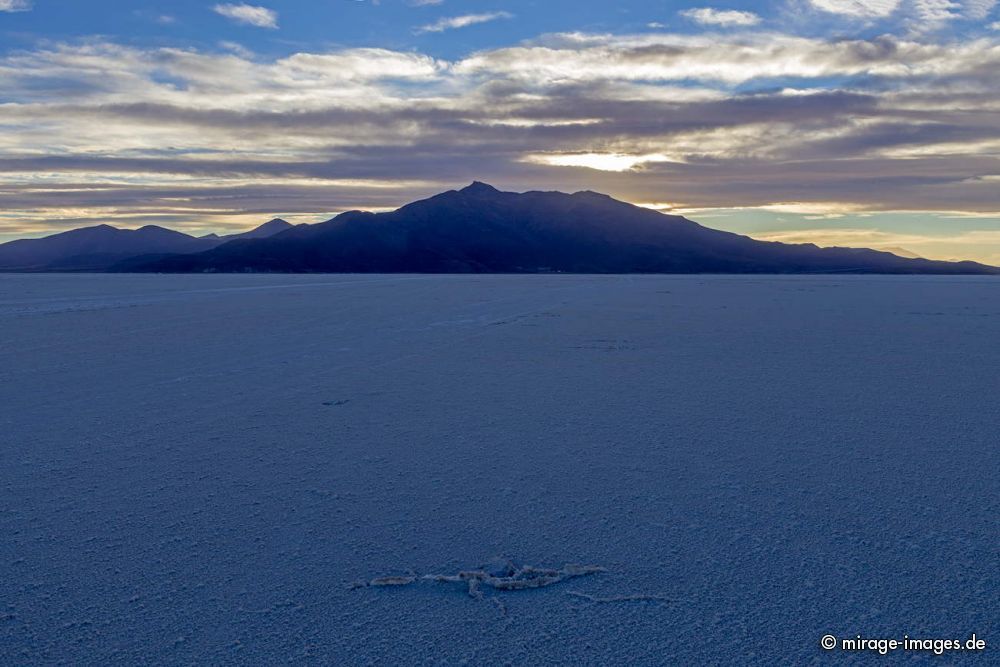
x,y
101,247
478,229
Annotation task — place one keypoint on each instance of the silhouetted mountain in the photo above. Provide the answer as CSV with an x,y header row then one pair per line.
x,y
902,252
97,248
94,248
480,229
269,228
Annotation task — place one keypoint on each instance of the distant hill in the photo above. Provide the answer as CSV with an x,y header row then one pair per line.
x,y
480,229
902,252
100,247
269,228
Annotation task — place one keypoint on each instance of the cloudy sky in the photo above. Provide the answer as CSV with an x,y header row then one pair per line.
x,y
845,122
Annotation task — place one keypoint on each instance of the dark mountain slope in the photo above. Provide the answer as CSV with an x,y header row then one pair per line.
x,y
97,248
94,247
480,229
269,228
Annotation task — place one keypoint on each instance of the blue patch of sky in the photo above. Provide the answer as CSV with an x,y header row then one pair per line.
x,y
310,25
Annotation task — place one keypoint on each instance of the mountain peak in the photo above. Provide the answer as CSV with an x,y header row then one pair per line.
x,y
274,225
269,228
591,194
479,188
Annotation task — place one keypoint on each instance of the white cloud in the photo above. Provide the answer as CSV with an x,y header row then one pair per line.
x,y
155,17
935,11
721,17
15,5
858,8
425,3
463,21
598,161
995,26
578,57
933,14
237,48
918,15
978,9
262,17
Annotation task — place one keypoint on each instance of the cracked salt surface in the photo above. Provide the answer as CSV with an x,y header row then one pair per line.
x,y
757,461
502,575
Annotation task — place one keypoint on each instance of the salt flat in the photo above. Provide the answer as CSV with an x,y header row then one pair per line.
x,y
194,469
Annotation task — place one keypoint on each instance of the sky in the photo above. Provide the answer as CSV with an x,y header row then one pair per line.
x,y
838,122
